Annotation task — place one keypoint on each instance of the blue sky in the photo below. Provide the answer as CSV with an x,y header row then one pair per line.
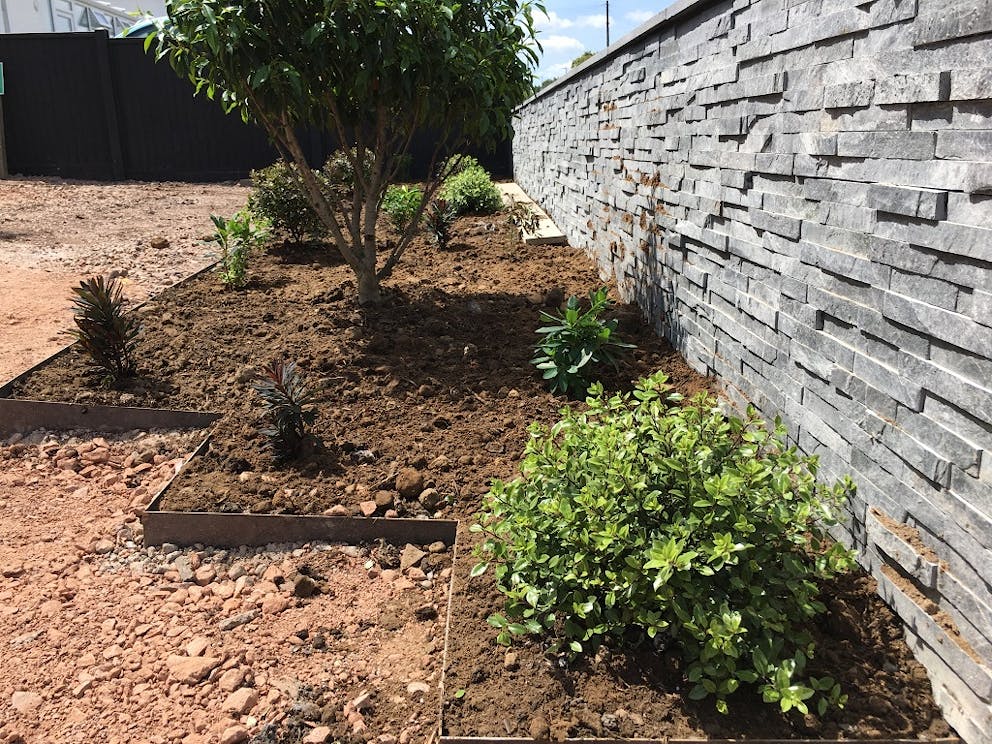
x,y
571,28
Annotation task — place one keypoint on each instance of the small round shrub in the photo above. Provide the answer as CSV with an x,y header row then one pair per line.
x,y
339,171
472,192
401,204
652,520
277,196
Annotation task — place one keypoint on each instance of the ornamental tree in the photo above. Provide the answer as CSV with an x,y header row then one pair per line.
x,y
372,74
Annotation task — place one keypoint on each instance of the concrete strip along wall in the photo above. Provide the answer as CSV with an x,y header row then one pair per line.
x,y
799,194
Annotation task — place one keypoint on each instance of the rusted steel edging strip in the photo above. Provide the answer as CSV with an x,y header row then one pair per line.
x,y
234,530
30,415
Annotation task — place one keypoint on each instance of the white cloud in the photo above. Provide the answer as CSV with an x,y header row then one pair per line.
x,y
552,21
559,43
639,16
592,21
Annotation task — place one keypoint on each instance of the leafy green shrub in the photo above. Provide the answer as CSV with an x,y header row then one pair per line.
x,y
106,332
472,191
575,343
643,516
458,163
288,409
238,237
340,171
439,218
278,197
401,204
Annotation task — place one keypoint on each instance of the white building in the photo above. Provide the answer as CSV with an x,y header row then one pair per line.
x,y
44,16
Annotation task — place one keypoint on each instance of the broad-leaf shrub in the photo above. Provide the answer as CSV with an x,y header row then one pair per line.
x,y
339,170
472,191
402,203
458,163
574,343
643,517
277,195
238,237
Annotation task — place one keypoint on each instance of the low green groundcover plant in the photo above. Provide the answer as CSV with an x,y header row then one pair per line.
x,y
577,342
663,521
472,191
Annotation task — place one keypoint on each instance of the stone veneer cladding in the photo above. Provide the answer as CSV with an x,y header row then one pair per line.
x,y
799,194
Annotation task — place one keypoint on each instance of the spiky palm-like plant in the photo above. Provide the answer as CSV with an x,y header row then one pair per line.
x,y
288,408
105,331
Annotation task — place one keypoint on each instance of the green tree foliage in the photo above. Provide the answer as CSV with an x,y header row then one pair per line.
x,y
648,517
372,73
582,58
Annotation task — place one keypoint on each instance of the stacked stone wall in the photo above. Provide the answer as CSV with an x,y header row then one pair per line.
x,y
799,194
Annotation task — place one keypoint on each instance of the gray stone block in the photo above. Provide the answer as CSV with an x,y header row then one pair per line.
x,y
902,145
927,204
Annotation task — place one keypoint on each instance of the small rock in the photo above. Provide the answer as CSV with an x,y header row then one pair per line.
x,y
159,243
304,587
338,510
368,508
231,680
234,735
204,575
230,623
436,547
539,728
274,604
317,735
197,647
12,570
362,702
384,499
411,556
409,483
418,688
430,499
191,670
104,546
184,569
26,703
240,702
511,661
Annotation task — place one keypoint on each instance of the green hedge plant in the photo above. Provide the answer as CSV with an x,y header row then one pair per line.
x,y
650,516
472,191
277,195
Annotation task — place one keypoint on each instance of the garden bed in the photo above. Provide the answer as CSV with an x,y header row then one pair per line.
x,y
437,381
637,694
420,403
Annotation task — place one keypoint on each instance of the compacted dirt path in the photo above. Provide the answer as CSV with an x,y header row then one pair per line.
x,y
54,233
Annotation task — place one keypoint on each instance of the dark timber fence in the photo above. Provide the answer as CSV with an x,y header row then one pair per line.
x,y
83,105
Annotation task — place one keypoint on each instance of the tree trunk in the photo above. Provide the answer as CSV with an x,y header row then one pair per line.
x,y
368,286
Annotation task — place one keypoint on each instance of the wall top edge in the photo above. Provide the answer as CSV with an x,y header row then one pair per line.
x,y
667,17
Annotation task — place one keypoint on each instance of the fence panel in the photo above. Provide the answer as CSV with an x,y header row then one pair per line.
x,y
82,105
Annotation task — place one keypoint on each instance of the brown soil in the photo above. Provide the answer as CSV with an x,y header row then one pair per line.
x,y
639,693
438,379
54,233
